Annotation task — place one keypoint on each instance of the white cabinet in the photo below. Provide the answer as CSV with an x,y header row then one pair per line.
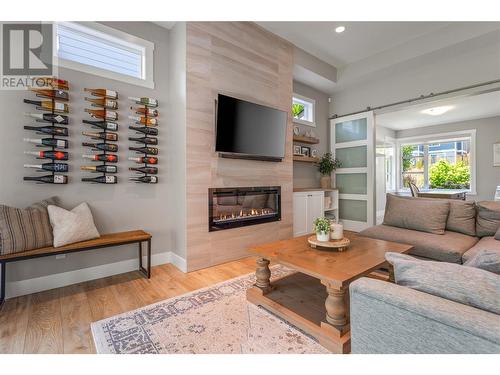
x,y
307,206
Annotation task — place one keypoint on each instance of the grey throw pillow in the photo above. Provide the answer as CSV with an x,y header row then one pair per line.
x,y
462,217
497,234
425,215
488,260
465,285
23,229
488,218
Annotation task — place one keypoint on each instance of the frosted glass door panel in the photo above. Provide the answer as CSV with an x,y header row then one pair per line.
x,y
351,183
353,210
352,157
349,131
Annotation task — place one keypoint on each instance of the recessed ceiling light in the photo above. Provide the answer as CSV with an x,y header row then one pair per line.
x,y
436,111
340,29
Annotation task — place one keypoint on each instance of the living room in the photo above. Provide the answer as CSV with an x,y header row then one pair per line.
x,y
250,187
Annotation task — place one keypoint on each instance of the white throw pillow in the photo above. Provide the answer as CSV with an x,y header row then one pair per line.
x,y
72,226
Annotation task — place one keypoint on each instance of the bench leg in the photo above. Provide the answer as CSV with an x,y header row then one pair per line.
x,y
2,284
145,271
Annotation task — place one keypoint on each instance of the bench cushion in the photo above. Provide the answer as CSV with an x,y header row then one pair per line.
x,y
23,229
447,247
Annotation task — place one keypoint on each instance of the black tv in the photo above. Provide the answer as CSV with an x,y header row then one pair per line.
x,y
248,130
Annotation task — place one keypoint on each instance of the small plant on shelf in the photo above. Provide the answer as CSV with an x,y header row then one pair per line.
x,y
322,228
326,165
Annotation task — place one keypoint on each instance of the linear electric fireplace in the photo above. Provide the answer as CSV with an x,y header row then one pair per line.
x,y
242,206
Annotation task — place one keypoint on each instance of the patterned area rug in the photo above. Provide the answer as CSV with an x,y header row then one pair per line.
x,y
217,319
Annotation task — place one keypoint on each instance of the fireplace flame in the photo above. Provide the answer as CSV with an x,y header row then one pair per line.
x,y
244,213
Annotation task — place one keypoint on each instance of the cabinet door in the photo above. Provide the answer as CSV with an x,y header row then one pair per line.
x,y
315,208
300,216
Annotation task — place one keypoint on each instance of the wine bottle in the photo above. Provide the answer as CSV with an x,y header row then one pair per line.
x,y
144,120
49,179
103,93
103,102
102,135
100,168
150,102
147,170
53,82
101,179
110,158
145,140
51,167
145,111
145,179
102,146
145,150
50,130
144,160
54,155
105,125
49,117
50,142
148,130
52,93
102,114
49,105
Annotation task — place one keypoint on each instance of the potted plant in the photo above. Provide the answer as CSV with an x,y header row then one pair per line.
x,y
322,228
326,165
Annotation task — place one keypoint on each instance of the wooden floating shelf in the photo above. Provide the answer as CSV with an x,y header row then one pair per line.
x,y
305,159
304,139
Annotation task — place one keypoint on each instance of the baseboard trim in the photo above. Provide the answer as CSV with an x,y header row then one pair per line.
x,y
38,284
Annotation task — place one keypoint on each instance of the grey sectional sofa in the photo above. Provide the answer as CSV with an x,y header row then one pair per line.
x,y
391,318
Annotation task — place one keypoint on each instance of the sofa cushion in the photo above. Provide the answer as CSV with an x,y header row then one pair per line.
x,y
465,285
488,260
447,247
488,218
23,229
485,243
497,234
462,217
72,226
426,215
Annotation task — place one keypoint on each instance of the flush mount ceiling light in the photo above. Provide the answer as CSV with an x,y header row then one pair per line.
x,y
436,111
340,29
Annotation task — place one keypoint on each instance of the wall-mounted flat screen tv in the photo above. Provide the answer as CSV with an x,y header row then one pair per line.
x,y
249,130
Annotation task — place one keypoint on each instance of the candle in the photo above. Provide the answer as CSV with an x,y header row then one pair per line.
x,y
336,231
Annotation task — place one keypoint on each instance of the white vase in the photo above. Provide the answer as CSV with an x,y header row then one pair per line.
x,y
323,236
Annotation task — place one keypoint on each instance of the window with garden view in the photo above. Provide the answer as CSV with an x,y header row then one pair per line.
x,y
303,110
437,164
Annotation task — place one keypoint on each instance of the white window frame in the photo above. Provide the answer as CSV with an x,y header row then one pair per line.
x,y
115,36
310,101
440,137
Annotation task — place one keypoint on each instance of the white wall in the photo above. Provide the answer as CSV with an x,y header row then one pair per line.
x,y
120,207
306,175
487,133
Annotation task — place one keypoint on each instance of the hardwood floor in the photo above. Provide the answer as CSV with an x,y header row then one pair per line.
x,y
58,320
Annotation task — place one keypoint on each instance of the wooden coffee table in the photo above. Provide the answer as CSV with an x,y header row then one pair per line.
x,y
315,298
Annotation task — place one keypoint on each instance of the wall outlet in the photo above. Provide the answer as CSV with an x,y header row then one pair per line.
x,y
61,256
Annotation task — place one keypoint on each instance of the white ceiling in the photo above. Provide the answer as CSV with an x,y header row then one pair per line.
x,y
359,41
464,108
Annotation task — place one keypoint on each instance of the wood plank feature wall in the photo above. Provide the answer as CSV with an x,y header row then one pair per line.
x,y
242,60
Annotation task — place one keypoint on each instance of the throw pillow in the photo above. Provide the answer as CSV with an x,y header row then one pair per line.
x,y
462,217
488,260
465,285
72,226
23,229
425,215
497,234
488,218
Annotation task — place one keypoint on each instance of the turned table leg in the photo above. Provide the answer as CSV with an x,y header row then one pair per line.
x,y
263,275
391,273
336,310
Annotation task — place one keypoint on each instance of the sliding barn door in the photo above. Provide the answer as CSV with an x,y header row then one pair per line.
x,y
352,142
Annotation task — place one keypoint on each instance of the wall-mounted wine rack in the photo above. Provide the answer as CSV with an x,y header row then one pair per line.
x,y
54,95
146,125
104,113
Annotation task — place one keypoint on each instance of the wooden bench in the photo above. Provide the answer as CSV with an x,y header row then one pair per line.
x,y
106,240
